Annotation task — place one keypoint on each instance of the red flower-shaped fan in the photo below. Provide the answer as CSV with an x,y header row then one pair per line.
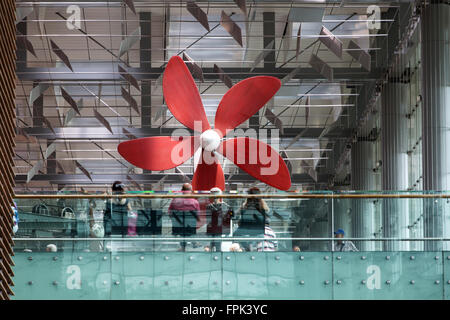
x,y
240,102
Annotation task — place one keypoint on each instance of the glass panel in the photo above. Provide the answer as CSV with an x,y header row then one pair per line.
x,y
202,276
245,277
148,276
315,222
132,275
168,280
232,275
290,275
233,223
60,275
387,275
447,275
59,218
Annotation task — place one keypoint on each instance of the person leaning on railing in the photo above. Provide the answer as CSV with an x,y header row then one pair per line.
x,y
115,216
219,214
252,216
184,206
255,203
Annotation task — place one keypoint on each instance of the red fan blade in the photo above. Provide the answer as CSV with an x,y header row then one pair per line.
x,y
258,160
243,100
158,153
182,96
209,173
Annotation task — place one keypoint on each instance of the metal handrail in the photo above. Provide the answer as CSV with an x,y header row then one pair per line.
x,y
235,196
227,239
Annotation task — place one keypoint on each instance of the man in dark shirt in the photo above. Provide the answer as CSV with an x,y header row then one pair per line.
x,y
115,216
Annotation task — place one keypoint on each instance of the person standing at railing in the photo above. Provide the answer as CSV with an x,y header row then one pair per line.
x,y
118,217
184,206
219,214
115,216
341,245
256,203
252,216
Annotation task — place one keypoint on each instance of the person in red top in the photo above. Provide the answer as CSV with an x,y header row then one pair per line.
x,y
184,204
184,225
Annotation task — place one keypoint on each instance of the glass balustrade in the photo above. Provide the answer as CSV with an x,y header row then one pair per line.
x,y
236,246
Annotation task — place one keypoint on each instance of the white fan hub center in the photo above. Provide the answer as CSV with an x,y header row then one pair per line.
x,y
210,140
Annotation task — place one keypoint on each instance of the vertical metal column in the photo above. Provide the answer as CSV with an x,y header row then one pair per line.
x,y
361,213
146,103
363,160
435,28
145,52
269,60
269,35
394,126
146,58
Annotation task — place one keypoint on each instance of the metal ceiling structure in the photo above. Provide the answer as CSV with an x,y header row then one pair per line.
x,y
89,77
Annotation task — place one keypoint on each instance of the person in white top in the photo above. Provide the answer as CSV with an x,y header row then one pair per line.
x,y
269,244
341,245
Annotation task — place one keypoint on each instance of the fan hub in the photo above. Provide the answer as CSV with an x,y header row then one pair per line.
x,y
210,140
